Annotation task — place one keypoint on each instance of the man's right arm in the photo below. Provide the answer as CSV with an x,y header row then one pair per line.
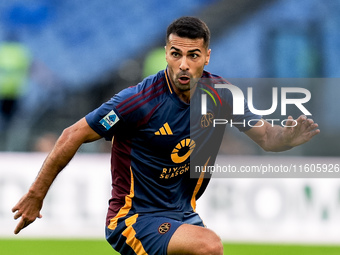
x,y
29,206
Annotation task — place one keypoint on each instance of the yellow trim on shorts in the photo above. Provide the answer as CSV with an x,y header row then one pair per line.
x,y
130,235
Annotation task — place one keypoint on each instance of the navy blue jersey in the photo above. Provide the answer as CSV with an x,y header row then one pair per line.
x,y
155,138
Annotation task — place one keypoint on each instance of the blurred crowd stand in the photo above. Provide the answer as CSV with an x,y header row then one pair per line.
x,y
15,63
28,89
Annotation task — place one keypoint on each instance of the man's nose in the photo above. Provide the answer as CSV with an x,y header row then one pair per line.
x,y
184,64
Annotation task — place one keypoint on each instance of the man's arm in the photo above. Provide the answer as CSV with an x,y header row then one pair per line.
x,y
277,138
29,206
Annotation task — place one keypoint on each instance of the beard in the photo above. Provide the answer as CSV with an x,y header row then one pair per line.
x,y
188,82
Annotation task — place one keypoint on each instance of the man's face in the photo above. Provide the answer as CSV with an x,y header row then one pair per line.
x,y
186,60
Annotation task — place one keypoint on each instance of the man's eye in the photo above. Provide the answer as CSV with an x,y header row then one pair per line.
x,y
194,55
175,54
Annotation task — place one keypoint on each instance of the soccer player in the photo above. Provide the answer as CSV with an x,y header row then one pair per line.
x,y
157,133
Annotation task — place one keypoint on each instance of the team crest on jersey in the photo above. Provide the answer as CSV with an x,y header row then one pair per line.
x,y
164,228
109,120
207,120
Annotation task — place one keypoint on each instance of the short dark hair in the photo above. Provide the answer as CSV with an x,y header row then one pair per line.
x,y
189,27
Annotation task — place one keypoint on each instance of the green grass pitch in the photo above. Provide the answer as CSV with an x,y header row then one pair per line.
x,y
87,247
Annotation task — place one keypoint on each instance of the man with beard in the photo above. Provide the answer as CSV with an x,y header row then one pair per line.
x,y
156,136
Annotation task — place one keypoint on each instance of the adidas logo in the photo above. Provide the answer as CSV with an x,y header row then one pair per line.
x,y
165,130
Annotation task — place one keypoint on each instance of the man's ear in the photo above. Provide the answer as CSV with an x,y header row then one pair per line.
x,y
207,57
166,58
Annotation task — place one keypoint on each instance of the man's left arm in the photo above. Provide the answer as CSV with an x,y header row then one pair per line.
x,y
276,138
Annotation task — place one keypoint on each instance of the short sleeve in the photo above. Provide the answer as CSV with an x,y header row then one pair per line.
x,y
111,117
105,120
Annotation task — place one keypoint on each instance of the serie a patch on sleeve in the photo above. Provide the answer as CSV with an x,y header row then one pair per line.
x,y
109,120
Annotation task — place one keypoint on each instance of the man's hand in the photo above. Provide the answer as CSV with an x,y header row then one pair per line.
x,y
28,208
276,138
301,133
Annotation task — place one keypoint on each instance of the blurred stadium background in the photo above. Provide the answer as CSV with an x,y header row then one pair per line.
x,y
77,54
